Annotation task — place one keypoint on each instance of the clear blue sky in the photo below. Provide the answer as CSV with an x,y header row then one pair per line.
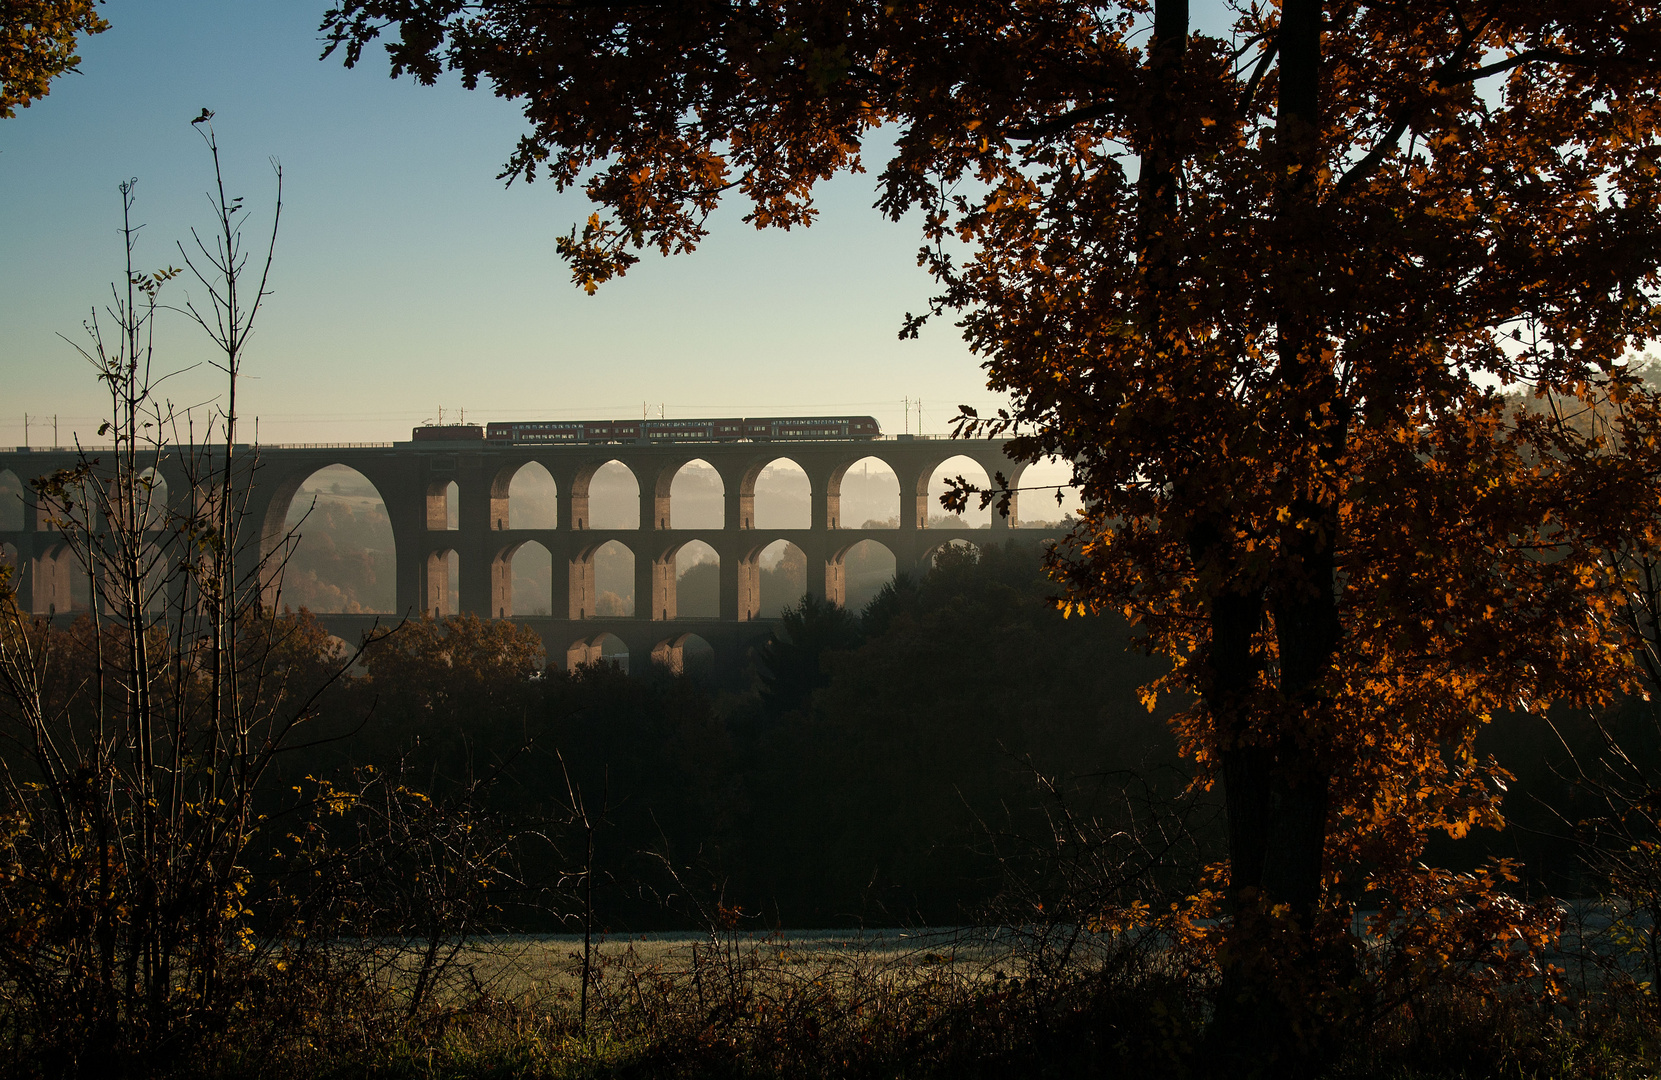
x,y
408,278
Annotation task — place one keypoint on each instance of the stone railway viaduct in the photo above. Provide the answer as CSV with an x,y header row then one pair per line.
x,y
414,478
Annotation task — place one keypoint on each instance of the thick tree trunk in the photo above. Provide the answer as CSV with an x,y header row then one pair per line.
x,y
1235,667
1304,603
1157,170
1275,790
1306,631
1276,974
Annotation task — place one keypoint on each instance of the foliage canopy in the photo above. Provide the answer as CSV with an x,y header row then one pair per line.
x,y
1267,290
37,44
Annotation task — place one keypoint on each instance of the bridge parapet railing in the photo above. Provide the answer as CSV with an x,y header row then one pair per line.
x,y
480,444
104,447
326,446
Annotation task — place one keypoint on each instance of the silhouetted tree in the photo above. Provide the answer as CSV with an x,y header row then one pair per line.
x,y
135,747
792,659
1259,290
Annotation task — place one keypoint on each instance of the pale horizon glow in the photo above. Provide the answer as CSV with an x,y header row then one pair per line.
x,y
407,278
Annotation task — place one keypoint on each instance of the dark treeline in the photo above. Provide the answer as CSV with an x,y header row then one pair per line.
x,y
866,772
874,768
905,765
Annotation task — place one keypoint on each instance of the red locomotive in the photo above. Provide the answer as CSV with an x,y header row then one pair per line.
x,y
447,433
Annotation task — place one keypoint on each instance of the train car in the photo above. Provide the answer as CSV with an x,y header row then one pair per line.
x,y
447,433
613,431
679,430
732,429
787,428
537,431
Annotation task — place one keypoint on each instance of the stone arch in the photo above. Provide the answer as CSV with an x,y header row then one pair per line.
x,y
344,556
524,496
972,471
863,494
699,597
530,581
55,581
602,582
337,650
601,497
690,496
782,578
602,648
861,570
151,497
932,555
443,505
12,507
776,494
687,653
1039,509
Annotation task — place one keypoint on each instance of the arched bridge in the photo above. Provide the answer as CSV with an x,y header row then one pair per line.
x,y
415,481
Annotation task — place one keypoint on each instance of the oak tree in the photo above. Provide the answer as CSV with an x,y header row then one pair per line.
x,y
1268,289
38,39
431,666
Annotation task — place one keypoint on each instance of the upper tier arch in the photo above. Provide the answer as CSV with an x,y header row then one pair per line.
x,y
790,502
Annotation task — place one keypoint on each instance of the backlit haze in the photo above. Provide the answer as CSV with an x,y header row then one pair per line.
x,y
408,279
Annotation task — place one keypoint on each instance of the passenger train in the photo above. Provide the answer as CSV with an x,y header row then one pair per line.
x,y
574,432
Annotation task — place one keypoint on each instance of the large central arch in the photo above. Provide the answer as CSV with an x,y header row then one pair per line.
x,y
344,556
